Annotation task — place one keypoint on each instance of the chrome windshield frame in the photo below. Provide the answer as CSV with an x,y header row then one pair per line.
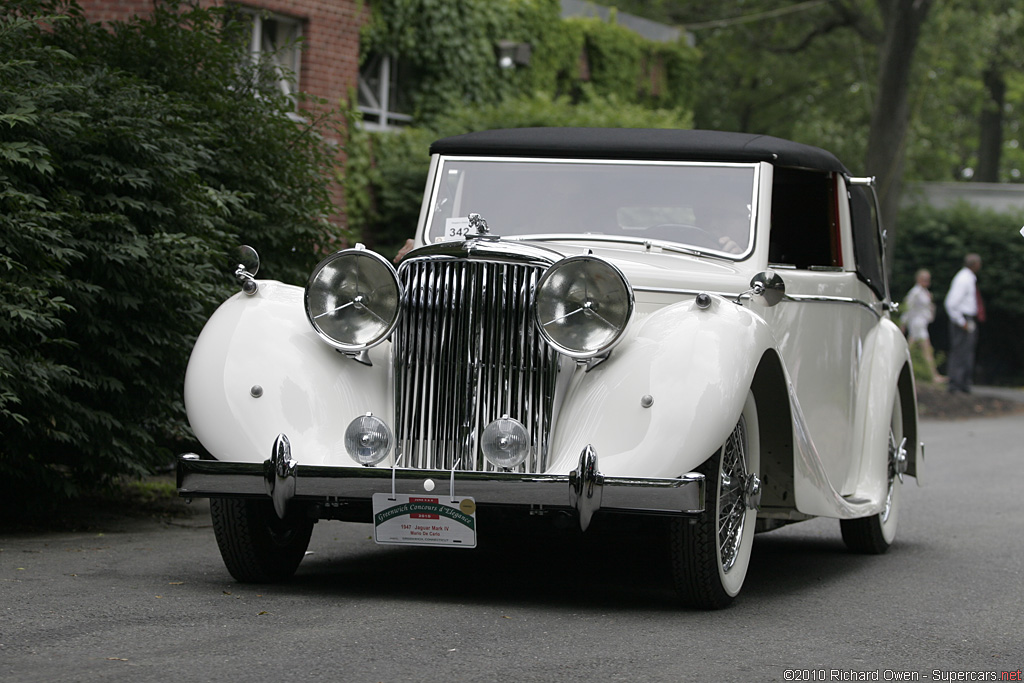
x,y
439,164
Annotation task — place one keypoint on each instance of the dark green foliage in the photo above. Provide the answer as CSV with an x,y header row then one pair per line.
x,y
450,47
615,56
132,162
938,239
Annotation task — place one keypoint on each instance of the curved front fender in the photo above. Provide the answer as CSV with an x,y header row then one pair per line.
x,y
697,365
306,388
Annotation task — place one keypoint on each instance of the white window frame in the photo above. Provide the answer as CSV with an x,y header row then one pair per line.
x,y
284,53
379,100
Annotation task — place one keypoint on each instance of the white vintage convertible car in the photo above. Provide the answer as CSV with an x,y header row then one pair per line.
x,y
693,326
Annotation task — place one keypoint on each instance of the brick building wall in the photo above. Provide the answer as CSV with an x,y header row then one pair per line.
x,y
115,10
329,62
330,28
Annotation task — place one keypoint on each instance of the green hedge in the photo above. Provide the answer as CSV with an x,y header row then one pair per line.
x,y
132,163
938,239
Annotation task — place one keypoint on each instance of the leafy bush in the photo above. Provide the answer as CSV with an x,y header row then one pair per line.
x,y
132,162
938,239
449,47
383,200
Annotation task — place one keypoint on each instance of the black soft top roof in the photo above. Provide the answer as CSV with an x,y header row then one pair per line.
x,y
660,144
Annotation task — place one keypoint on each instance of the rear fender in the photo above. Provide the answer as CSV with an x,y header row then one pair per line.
x,y
887,373
890,374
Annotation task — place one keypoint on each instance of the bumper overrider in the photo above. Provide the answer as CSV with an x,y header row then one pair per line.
x,y
585,489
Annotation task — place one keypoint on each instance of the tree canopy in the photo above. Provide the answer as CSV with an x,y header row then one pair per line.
x,y
899,89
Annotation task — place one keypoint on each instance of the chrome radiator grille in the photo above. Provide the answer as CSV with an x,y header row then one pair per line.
x,y
466,353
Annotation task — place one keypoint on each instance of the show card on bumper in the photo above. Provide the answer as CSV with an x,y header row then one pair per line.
x,y
405,519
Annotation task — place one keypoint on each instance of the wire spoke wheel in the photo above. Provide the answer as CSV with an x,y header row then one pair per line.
x,y
731,505
710,554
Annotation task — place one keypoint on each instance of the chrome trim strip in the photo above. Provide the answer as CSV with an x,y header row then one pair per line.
x,y
313,483
599,160
477,249
685,292
437,172
868,181
815,299
792,298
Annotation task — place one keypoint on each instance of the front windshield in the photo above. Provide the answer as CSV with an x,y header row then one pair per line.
x,y
704,206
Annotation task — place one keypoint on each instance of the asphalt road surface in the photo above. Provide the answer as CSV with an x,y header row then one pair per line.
x,y
153,602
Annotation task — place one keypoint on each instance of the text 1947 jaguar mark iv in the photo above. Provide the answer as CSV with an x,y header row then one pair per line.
x,y
688,325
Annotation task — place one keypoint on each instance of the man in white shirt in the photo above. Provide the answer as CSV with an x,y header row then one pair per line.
x,y
963,304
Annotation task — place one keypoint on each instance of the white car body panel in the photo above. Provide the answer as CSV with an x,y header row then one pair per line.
x,y
307,387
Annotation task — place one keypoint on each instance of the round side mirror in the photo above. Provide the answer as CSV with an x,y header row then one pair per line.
x,y
247,260
247,265
769,285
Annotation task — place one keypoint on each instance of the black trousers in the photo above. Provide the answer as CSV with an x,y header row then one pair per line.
x,y
960,364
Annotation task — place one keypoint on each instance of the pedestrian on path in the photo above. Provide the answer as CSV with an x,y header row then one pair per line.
x,y
966,310
919,313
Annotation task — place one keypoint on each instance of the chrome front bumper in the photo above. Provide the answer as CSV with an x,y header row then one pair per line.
x,y
584,489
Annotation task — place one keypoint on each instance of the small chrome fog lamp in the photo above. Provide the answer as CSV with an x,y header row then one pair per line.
x,y
505,443
368,439
583,306
353,299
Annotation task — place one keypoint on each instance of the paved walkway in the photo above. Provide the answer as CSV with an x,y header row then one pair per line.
x,y
1004,393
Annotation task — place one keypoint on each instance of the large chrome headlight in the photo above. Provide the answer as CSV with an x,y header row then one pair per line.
x,y
583,306
353,299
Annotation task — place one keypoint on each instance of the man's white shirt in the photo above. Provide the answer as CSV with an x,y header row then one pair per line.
x,y
961,301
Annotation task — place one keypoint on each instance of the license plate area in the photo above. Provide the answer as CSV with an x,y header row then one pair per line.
x,y
405,519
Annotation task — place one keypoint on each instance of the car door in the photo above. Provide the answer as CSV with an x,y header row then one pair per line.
x,y
824,325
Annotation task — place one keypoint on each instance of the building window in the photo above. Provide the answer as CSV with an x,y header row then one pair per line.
x,y
381,99
275,38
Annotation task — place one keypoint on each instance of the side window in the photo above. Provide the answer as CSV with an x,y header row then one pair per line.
x,y
867,238
805,232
